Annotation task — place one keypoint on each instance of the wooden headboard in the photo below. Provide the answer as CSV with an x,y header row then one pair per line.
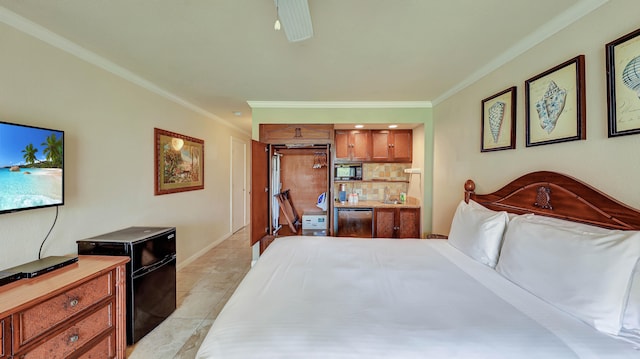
x,y
556,195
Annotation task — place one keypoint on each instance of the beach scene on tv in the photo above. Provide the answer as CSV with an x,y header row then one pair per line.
x,y
31,165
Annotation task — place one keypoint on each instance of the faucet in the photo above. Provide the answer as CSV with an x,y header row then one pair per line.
x,y
386,193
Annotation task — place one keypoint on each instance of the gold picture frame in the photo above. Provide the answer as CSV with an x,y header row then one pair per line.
x,y
179,162
623,84
499,121
556,105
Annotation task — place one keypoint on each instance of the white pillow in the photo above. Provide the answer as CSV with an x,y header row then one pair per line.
x,y
565,224
580,269
631,314
477,232
631,318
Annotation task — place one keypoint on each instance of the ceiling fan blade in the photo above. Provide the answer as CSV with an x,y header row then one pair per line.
x,y
295,18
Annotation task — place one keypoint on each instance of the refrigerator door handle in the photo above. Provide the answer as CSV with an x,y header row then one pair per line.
x,y
151,267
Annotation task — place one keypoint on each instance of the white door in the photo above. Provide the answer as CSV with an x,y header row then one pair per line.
x,y
238,183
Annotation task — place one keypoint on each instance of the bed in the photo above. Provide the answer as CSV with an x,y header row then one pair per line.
x,y
545,267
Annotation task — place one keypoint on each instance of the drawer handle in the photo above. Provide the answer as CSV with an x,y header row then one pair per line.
x,y
74,338
73,302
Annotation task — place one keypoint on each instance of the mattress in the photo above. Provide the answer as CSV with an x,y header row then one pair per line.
x,y
326,297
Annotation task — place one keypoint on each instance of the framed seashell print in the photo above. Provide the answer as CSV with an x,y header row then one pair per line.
x,y
499,121
556,105
623,84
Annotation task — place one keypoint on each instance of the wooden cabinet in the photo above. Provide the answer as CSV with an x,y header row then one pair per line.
x,y
391,146
75,311
353,146
397,223
296,134
374,145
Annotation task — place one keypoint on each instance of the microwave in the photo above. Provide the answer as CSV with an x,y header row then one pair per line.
x,y
348,172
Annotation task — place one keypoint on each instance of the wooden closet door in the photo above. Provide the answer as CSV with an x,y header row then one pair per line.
x,y
259,191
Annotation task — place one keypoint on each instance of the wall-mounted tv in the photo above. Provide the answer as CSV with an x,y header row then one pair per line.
x,y
31,167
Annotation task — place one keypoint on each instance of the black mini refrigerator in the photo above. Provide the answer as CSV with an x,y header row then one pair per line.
x,y
151,273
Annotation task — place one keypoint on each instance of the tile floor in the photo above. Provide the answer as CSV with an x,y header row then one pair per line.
x,y
203,287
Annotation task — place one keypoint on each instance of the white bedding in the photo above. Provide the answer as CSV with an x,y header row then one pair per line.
x,y
325,297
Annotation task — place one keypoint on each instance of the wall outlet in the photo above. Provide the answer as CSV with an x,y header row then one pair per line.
x,y
412,170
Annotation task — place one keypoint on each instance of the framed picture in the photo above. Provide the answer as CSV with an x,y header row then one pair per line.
x,y
179,162
556,104
499,121
623,84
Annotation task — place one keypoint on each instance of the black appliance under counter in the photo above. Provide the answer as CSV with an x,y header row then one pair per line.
x,y
151,273
354,222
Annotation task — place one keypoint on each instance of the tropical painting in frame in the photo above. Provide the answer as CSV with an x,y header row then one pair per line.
x,y
179,162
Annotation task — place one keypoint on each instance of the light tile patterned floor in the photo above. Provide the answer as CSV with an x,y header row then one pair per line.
x,y
203,287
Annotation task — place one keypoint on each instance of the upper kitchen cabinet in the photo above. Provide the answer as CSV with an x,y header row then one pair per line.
x,y
296,134
391,145
353,146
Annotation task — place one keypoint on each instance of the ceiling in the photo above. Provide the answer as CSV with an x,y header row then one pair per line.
x,y
215,55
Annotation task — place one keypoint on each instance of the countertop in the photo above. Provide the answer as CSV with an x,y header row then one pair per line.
x,y
378,204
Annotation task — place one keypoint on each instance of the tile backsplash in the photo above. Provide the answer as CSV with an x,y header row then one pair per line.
x,y
375,178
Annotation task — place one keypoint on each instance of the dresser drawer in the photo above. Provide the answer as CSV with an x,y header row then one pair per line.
x,y
42,317
74,337
5,350
105,349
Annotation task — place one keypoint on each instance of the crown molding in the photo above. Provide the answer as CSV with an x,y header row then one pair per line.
x,y
558,23
563,20
340,104
41,33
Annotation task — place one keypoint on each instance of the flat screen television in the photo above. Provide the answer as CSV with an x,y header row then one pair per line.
x,y
31,167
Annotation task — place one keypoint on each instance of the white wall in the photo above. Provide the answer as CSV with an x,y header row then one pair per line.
x,y
610,164
108,124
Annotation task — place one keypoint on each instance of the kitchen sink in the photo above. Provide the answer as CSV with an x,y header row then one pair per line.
x,y
390,201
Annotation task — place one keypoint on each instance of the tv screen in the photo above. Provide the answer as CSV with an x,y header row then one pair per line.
x,y
31,167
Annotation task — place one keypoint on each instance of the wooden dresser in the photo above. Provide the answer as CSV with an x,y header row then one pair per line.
x,y
74,312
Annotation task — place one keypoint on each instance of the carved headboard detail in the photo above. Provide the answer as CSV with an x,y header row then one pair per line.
x,y
556,195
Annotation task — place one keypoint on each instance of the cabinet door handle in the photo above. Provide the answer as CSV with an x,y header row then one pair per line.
x,y
73,338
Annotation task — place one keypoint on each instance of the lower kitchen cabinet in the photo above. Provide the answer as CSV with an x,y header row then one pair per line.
x,y
397,223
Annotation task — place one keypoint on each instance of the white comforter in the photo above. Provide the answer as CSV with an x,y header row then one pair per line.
x,y
324,297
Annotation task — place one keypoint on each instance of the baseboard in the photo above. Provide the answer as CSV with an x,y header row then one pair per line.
x,y
201,252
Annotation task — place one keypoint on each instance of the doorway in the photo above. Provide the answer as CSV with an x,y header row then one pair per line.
x,y
238,184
